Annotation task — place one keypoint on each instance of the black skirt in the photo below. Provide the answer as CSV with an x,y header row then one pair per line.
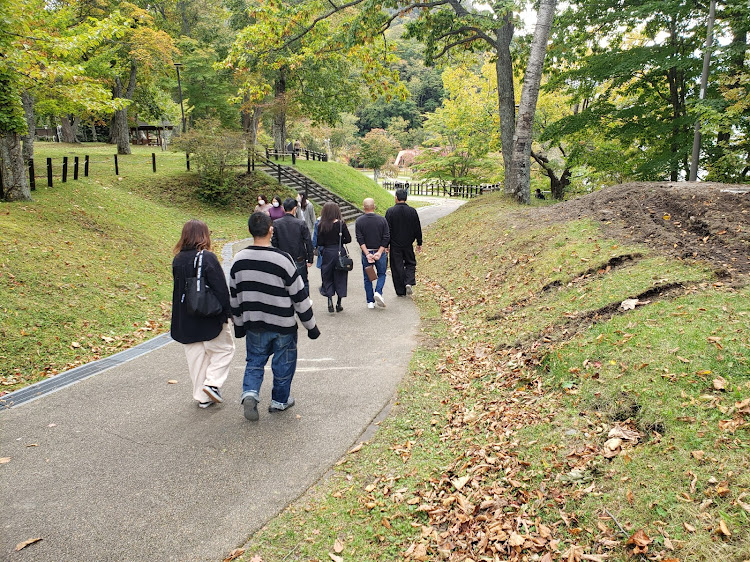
x,y
334,280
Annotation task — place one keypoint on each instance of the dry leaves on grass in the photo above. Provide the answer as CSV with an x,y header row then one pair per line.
x,y
237,552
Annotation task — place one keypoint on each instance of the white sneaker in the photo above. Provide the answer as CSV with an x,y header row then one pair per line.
x,y
370,305
379,299
409,290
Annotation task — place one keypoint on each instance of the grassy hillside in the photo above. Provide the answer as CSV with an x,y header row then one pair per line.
x,y
85,268
347,182
541,419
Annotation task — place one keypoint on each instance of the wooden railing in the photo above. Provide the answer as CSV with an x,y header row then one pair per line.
x,y
294,154
442,189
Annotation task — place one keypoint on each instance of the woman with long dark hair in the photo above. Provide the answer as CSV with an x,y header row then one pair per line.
x,y
306,212
331,230
208,341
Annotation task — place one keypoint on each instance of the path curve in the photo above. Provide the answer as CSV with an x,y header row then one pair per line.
x,y
124,466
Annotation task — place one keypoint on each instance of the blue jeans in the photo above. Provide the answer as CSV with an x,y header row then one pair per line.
x,y
260,346
381,266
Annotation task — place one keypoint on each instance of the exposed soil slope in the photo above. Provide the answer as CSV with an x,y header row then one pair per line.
x,y
705,221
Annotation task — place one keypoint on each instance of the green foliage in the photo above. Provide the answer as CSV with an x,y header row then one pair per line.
x,y
635,66
376,148
214,150
464,130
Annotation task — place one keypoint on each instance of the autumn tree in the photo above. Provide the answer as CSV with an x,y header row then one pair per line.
x,y
376,149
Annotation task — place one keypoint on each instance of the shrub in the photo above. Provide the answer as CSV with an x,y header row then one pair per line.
x,y
214,151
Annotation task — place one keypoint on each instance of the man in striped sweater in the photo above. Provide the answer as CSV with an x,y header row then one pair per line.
x,y
266,291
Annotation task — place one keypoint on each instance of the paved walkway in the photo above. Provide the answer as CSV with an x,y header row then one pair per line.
x,y
124,466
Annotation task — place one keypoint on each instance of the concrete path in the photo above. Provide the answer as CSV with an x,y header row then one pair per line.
x,y
124,466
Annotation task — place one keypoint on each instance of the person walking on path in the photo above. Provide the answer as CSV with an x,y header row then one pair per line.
x,y
266,291
263,204
332,235
405,228
207,341
291,235
277,210
373,236
306,212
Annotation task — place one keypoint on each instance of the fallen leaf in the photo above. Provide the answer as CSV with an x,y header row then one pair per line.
x,y
355,448
4,460
420,552
688,527
723,529
237,552
335,558
256,558
629,496
668,544
640,539
460,482
172,381
698,455
75,345
628,304
338,547
24,544
516,539
720,383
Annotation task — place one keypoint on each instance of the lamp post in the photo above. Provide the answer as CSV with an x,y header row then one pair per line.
x,y
177,65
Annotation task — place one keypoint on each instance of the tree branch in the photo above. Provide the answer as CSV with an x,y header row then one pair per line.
x,y
315,22
455,44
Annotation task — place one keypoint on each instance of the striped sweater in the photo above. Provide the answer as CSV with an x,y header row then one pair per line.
x,y
265,291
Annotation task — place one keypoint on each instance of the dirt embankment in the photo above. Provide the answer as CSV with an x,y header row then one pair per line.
x,y
708,222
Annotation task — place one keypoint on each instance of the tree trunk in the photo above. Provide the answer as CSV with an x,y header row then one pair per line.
x,y
521,167
250,122
93,131
279,117
120,133
69,125
557,185
506,95
28,139
15,183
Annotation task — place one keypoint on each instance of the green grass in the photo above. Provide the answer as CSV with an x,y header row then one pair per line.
x,y
85,268
527,423
347,182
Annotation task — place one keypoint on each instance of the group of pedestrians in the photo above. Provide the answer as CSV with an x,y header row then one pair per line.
x,y
269,289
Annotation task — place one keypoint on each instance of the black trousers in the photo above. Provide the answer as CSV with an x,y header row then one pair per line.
x,y
403,268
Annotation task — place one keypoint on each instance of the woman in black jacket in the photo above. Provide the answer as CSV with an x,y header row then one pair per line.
x,y
335,281
208,341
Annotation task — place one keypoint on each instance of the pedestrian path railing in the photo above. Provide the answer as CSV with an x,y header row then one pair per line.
x,y
436,189
294,154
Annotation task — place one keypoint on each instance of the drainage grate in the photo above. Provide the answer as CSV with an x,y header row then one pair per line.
x,y
67,378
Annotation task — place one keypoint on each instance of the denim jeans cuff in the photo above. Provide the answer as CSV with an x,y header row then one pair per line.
x,y
250,393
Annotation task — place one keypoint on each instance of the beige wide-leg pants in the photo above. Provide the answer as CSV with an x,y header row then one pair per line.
x,y
209,361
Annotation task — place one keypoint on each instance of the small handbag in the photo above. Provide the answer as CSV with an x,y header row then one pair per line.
x,y
344,262
199,297
372,273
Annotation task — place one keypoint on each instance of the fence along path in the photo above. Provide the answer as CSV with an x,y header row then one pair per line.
x,y
443,190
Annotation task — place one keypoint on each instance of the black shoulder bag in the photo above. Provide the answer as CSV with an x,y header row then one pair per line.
x,y
344,262
199,297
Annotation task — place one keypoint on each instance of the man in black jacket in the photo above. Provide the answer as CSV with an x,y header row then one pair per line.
x,y
405,228
291,235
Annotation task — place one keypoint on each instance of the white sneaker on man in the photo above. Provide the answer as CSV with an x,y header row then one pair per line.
x,y
370,305
409,290
380,300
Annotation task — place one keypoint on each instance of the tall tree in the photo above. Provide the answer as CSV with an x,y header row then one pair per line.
x,y
520,170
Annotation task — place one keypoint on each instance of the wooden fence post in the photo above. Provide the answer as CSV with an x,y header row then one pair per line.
x,y
49,172
86,166
153,161
187,160
279,170
117,166
65,169
294,158
32,177
75,168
